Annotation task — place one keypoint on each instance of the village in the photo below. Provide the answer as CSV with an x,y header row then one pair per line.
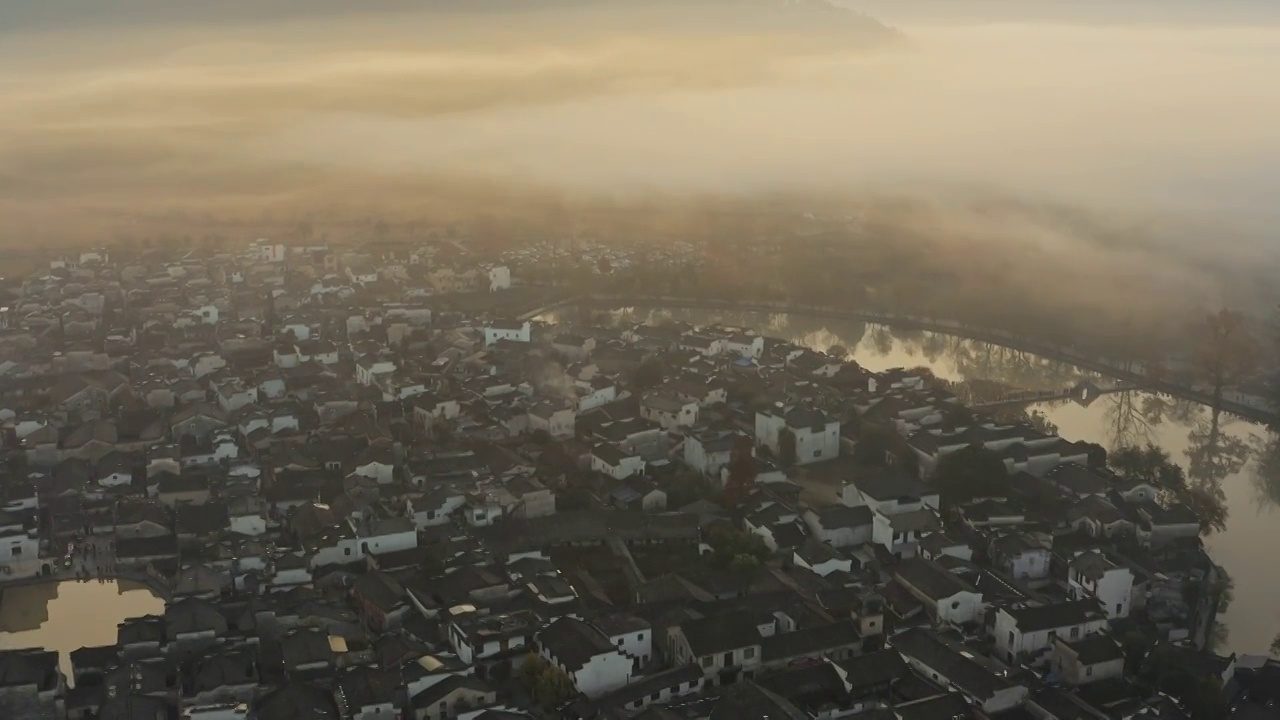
x,y
373,483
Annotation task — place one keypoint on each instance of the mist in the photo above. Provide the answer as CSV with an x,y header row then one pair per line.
x,y
1128,150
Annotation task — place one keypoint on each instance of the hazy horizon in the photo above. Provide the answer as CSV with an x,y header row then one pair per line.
x,y
1159,131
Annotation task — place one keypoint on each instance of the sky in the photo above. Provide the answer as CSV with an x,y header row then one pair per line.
x,y
1155,120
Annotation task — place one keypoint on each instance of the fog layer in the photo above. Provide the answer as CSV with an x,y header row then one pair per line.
x,y
1153,137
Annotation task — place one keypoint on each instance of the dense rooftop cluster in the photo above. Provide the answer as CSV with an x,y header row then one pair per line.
x,y
369,487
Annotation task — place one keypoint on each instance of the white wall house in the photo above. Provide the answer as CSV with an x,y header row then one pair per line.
x,y
1094,575
591,397
889,494
499,278
615,463
234,394
1097,657
633,636
708,451
748,346
208,314
515,331
393,535
267,251
1025,633
817,436
592,662
556,421
18,545
1021,559
370,369
434,508
947,598
668,411
840,526
900,534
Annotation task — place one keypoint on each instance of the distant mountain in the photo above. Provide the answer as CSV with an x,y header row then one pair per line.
x,y
35,15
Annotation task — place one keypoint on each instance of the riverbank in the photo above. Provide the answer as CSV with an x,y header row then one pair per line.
x,y
1125,372
93,559
1225,451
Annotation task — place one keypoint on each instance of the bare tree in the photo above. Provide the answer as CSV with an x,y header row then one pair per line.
x,y
1227,352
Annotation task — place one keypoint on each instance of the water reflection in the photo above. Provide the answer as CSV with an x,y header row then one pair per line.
x,y
1232,465
25,608
1266,470
69,615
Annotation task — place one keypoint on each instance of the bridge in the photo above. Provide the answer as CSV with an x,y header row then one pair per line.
x,y
1083,393
1122,372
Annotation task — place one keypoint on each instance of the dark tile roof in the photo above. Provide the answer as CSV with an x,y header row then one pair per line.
x,y
29,667
809,641
951,706
573,642
295,701
432,695
958,667
1096,648
721,633
843,516
931,579
1033,618
873,669
749,701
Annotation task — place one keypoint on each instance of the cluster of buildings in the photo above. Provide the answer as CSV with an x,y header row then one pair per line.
x,y
361,503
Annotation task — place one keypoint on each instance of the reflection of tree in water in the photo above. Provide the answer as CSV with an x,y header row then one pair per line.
x,y
814,332
1128,422
933,345
1214,455
1266,470
882,341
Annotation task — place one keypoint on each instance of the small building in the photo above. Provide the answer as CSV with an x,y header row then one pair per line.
x,y
946,597
513,330
1025,632
1096,657
594,664
1094,575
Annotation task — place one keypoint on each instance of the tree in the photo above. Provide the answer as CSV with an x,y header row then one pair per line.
x,y
1227,352
744,568
553,688
838,351
1097,455
1168,669
1275,645
1041,422
1153,466
971,472
786,447
1148,464
728,544
530,669
549,685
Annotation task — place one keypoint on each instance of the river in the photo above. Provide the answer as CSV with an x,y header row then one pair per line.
x,y
1241,458
69,615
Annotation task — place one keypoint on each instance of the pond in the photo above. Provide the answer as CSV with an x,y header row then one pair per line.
x,y
69,615
1240,457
